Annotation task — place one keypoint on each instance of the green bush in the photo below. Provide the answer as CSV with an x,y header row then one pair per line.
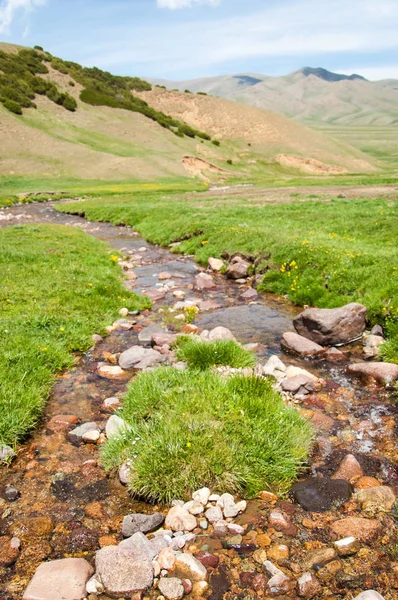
x,y
12,106
203,355
216,142
229,161
69,103
191,429
59,65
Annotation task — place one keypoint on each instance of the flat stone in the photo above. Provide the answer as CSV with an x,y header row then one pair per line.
x,y
163,339
171,588
206,305
215,264
379,371
134,357
179,519
332,326
76,434
319,557
365,530
279,522
301,385
334,355
91,437
155,295
111,372
321,494
123,571
190,567
349,469
61,422
204,281
115,427
141,522
124,324
111,403
293,343
249,294
63,579
164,276
146,334
376,499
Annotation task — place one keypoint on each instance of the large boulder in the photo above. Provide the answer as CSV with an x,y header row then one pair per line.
x,y
381,372
293,343
123,571
331,326
63,579
138,357
238,268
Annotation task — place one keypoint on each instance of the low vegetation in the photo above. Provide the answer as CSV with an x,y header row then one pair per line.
x,y
59,286
318,253
203,355
192,428
20,81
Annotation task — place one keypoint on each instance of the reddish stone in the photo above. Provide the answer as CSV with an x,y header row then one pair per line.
x,y
9,551
349,469
293,343
279,522
189,328
60,579
187,585
208,560
364,483
247,579
61,422
259,583
365,530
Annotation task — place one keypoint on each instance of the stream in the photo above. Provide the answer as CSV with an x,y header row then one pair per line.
x,y
67,506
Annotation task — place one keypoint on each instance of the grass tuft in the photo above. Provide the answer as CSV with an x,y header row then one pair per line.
x,y
192,428
203,355
58,287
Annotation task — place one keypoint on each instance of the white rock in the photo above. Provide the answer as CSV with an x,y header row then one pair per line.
x,y
190,567
241,506
275,363
215,264
202,496
166,559
227,503
236,529
214,514
116,427
94,585
123,312
124,473
214,498
292,371
91,437
179,294
180,519
278,578
347,546
196,509
171,588
369,595
221,333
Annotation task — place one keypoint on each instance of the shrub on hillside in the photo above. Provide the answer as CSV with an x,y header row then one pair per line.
x,y
59,65
69,103
216,142
192,429
12,106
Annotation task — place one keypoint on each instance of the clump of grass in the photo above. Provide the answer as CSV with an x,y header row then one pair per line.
x,y
192,428
58,287
203,355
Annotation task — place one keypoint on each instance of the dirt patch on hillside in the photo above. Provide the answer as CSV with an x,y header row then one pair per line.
x,y
309,165
197,166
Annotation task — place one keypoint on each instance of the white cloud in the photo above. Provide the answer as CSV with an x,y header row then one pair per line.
x,y
177,4
10,8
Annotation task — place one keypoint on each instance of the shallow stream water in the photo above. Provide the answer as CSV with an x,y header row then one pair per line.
x,y
67,505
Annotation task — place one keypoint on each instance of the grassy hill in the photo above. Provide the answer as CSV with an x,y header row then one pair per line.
x,y
88,124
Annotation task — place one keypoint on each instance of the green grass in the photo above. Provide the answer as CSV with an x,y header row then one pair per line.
x,y
203,355
192,428
58,287
319,253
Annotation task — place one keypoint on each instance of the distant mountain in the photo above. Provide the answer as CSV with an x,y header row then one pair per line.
x,y
328,75
311,95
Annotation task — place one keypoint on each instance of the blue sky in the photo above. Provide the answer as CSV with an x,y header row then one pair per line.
x,y
185,39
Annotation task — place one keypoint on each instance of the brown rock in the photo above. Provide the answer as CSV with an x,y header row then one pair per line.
x,y
263,540
319,557
155,295
259,583
308,586
164,276
376,499
33,527
334,355
208,560
349,469
277,553
9,550
61,422
365,483
365,530
279,522
60,580
268,496
293,343
238,268
204,281
95,510
331,326
107,540
191,328
161,339
380,372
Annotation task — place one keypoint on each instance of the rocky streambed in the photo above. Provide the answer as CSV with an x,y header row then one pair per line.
x,y
334,538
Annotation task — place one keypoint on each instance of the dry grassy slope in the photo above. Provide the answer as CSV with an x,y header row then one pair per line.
x,y
268,133
354,102
106,143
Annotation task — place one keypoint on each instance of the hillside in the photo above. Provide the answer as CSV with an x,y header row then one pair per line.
x,y
308,95
86,123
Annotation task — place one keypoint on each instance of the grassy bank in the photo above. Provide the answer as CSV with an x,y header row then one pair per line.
x,y
58,287
318,253
192,428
